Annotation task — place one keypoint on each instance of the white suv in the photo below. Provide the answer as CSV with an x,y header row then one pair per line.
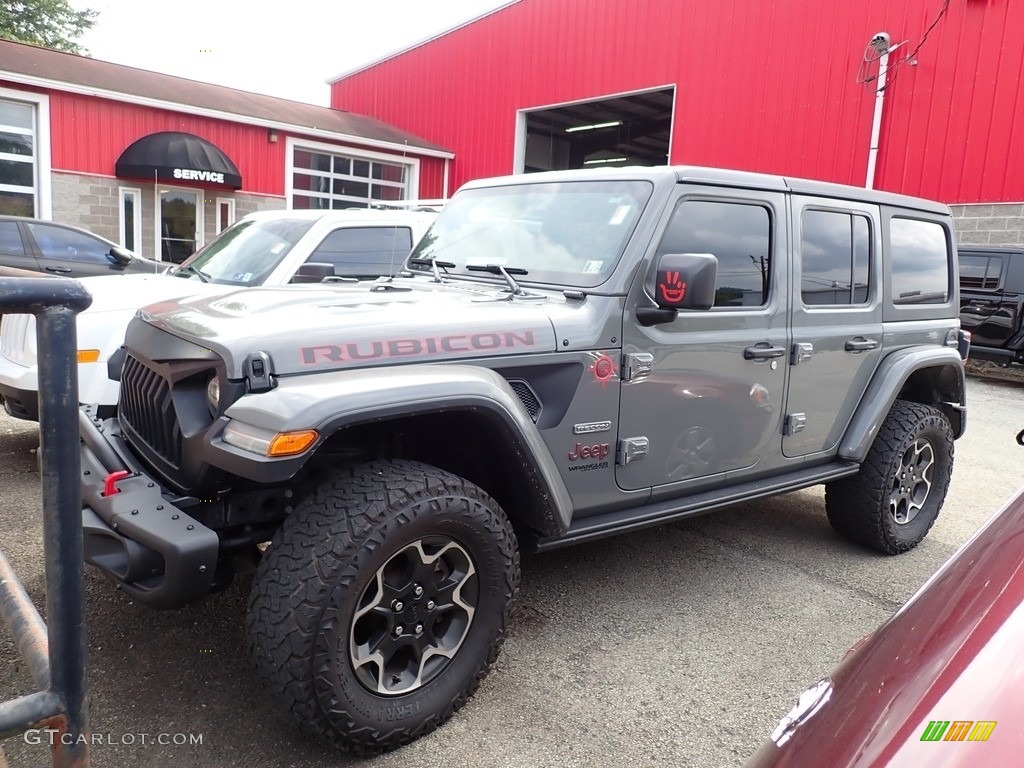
x,y
271,248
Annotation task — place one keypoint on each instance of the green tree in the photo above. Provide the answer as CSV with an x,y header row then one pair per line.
x,y
50,23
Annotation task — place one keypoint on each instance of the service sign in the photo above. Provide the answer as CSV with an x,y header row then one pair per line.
x,y
189,174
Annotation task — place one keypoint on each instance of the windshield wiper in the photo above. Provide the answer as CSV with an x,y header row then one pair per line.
x,y
434,264
189,269
506,272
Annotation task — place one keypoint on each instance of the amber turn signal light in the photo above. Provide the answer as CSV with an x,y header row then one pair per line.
x,y
291,443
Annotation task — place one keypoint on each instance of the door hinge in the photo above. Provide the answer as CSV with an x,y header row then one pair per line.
x,y
637,365
801,351
795,422
631,449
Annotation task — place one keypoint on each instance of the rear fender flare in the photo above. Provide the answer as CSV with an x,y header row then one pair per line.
x,y
889,381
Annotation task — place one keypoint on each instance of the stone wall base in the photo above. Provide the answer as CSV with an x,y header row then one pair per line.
x,y
92,202
989,224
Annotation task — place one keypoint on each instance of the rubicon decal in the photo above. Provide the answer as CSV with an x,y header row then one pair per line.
x,y
462,343
590,427
595,451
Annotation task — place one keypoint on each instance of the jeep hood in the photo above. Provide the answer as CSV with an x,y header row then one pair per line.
x,y
129,292
305,329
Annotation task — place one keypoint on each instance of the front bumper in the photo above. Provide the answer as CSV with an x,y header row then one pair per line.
x,y
20,403
139,536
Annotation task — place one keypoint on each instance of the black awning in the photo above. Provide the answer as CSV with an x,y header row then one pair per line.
x,y
178,158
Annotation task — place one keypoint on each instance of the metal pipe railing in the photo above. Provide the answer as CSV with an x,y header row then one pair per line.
x,y
55,652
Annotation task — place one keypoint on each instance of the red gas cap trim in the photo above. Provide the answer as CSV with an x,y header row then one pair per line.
x,y
111,481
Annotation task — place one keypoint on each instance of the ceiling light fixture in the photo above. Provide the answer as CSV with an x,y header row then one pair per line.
x,y
605,160
592,127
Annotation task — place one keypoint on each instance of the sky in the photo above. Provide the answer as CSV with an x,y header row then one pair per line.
x,y
287,49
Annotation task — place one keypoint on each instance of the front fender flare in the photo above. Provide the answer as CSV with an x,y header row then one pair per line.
x,y
892,374
329,402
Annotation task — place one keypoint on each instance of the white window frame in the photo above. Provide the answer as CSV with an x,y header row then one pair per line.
x,y
136,195
412,184
230,203
41,153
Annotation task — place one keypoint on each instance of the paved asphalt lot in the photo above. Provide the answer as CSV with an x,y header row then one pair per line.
x,y
678,646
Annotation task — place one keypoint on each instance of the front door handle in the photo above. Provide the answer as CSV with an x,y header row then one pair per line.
x,y
860,344
59,270
763,353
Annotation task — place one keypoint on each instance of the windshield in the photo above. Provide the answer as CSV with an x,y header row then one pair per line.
x,y
246,253
567,233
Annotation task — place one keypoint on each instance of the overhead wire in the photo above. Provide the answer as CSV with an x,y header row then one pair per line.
x,y
895,66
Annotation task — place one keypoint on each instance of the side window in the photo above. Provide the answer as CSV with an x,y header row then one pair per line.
x,y
60,243
738,234
835,252
919,260
980,271
364,251
10,239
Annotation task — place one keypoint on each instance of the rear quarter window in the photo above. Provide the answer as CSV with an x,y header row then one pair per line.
x,y
980,271
919,259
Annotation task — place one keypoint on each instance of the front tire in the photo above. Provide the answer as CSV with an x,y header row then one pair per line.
x,y
892,503
382,602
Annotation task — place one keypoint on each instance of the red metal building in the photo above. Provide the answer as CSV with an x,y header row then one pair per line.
x,y
161,164
782,86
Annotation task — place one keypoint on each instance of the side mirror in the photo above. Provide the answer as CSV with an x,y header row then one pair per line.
x,y
120,256
313,272
679,281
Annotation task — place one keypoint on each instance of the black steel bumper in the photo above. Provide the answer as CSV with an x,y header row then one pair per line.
x,y
133,533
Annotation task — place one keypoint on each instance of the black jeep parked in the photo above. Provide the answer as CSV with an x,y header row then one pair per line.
x,y
991,301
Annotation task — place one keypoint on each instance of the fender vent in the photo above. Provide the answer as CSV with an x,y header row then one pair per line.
x,y
527,397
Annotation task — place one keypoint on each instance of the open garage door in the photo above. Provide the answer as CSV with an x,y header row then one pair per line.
x,y
633,129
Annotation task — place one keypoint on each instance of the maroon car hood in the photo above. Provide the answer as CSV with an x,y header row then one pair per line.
x,y
952,653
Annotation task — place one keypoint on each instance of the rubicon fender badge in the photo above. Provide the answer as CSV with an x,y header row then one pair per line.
x,y
591,427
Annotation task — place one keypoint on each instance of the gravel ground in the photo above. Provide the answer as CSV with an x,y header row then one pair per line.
x,y
681,645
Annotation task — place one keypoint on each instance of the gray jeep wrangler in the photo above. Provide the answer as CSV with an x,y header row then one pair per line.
x,y
565,356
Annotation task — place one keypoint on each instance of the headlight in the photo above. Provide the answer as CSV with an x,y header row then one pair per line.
x,y
267,443
213,394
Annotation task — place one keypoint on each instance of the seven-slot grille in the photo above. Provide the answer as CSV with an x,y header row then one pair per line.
x,y
147,407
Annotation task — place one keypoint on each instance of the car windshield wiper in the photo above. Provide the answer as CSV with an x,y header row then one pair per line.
x,y
506,272
434,264
189,269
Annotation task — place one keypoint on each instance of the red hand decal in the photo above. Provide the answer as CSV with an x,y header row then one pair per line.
x,y
673,289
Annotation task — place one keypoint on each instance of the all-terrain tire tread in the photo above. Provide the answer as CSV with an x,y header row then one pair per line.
x,y
857,506
310,556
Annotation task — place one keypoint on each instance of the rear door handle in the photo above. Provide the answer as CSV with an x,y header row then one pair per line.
x,y
860,345
763,353
61,270
981,302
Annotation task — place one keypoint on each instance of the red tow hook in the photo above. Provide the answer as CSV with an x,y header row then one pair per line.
x,y
111,481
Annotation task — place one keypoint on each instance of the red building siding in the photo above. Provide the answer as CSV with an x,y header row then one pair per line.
x,y
88,134
765,85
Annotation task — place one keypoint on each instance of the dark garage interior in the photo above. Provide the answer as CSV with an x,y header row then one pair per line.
x,y
623,130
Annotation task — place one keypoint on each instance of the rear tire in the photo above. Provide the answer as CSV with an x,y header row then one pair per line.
x,y
892,503
382,602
